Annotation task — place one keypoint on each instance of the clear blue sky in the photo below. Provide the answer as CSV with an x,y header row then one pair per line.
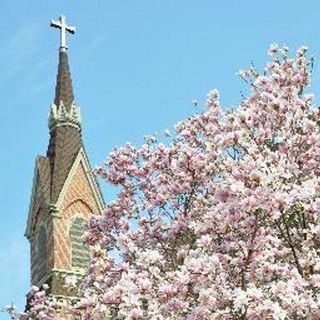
x,y
136,65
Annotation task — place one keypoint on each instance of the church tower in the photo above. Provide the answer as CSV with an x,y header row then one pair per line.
x,y
65,192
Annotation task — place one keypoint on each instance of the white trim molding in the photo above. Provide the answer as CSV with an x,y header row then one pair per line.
x,y
82,158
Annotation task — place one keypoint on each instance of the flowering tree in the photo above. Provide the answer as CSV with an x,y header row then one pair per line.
x,y
221,222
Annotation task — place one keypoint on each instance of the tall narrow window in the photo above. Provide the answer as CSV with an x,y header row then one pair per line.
x,y
42,252
79,251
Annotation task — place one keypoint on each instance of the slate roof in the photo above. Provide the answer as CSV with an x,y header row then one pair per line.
x,y
64,90
44,171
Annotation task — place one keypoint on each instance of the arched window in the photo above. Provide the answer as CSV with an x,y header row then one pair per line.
x,y
79,251
42,252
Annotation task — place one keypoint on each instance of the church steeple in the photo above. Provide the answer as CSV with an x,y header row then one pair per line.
x,y
65,191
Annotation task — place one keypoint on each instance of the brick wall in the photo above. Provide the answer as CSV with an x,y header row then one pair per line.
x,y
77,200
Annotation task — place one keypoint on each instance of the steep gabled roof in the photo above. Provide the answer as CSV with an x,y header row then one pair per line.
x,y
65,143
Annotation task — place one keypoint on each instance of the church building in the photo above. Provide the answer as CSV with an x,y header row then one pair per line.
x,y
65,191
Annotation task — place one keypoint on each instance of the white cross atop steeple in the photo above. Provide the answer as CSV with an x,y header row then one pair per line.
x,y
64,28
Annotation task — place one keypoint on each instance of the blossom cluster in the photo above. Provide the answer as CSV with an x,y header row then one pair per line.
x,y
223,221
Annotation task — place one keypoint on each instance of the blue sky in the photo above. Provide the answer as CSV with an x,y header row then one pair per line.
x,y
136,67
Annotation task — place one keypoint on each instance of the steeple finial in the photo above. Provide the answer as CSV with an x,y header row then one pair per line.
x,y
64,28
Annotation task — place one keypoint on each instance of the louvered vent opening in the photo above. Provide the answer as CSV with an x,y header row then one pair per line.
x,y
80,252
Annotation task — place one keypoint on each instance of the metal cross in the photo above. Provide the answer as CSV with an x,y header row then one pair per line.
x,y
64,28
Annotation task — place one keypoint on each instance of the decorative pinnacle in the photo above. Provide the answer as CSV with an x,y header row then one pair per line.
x,y
64,28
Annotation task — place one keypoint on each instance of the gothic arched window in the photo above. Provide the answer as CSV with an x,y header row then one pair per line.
x,y
42,252
80,254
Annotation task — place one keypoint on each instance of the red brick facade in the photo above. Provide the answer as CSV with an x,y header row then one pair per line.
x,y
78,200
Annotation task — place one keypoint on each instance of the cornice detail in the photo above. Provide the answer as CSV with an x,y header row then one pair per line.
x,y
61,116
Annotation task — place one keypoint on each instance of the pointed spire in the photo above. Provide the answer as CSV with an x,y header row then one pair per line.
x,y
64,89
